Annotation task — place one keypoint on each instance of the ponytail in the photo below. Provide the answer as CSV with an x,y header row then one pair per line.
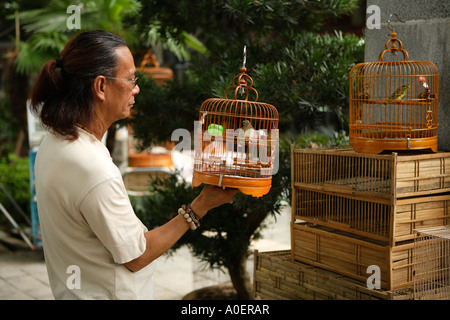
x,y
47,85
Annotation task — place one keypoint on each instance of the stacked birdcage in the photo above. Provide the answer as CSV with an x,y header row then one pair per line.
x,y
393,104
236,140
352,210
432,264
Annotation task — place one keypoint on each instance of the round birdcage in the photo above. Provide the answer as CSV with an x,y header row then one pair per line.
x,y
393,104
236,140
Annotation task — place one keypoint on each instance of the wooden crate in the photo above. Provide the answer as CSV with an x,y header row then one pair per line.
x,y
351,255
277,277
386,176
375,218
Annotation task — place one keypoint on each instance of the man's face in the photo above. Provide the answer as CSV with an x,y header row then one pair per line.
x,y
121,91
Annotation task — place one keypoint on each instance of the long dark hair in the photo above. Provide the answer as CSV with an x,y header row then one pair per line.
x,y
62,93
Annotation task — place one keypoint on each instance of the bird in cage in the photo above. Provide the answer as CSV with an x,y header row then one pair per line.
x,y
398,94
247,127
245,133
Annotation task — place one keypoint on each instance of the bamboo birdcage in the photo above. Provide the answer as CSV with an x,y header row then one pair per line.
x,y
236,141
393,104
432,263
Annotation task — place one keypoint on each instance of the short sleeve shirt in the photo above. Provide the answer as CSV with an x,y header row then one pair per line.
x,y
89,229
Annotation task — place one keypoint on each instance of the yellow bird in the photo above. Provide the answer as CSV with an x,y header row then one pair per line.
x,y
398,94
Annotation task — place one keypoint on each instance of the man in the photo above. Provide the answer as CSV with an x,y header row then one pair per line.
x,y
87,221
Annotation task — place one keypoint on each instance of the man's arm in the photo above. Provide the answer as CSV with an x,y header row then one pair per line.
x,y
161,239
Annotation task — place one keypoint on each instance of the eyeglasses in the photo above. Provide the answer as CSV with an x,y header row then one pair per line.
x,y
134,81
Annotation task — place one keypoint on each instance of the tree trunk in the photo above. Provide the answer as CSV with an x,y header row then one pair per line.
x,y
237,268
240,277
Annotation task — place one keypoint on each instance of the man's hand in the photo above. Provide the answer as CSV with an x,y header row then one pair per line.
x,y
212,197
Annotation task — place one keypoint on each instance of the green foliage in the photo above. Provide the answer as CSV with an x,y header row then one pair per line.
x,y
307,77
158,111
46,29
8,126
176,42
305,81
224,24
14,176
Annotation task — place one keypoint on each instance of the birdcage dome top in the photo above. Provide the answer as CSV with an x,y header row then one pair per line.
x,y
236,101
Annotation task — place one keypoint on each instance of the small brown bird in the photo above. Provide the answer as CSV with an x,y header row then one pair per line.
x,y
246,126
245,132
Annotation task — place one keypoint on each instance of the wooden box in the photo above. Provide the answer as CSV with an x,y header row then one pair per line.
x,y
375,218
351,255
386,176
277,277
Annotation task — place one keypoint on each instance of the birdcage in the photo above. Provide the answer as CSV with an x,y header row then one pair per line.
x,y
236,140
432,264
393,104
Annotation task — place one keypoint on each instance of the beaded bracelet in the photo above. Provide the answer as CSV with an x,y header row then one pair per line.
x,y
191,218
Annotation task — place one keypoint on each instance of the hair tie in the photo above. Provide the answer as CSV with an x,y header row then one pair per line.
x,y
58,63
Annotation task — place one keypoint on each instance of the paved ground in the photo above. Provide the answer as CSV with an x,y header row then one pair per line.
x,y
23,275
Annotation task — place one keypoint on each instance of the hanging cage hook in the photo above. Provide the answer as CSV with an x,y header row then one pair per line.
x,y
389,21
243,69
245,56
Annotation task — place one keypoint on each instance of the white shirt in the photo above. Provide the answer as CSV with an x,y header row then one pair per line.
x,y
89,228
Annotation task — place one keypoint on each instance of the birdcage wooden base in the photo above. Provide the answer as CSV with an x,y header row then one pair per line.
x,y
256,187
277,277
375,146
351,255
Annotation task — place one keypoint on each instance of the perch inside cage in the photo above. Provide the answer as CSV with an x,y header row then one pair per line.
x,y
393,104
236,140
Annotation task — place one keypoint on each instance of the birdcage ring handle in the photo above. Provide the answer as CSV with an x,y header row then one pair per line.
x,y
242,83
394,48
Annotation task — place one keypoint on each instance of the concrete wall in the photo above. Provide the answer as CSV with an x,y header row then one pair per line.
x,y
426,37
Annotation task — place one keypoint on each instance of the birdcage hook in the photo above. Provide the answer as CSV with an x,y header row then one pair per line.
x,y
242,90
389,21
245,57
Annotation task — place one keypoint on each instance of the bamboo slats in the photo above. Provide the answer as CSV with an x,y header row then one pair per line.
x,y
276,277
350,255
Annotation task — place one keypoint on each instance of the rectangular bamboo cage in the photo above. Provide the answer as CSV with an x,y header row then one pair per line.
x,y
432,264
277,277
351,255
374,219
382,176
393,104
